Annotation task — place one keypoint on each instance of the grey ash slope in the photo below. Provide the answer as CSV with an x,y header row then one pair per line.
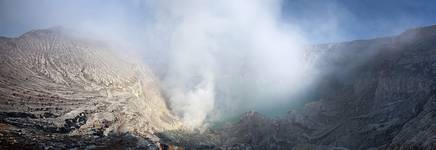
x,y
377,93
56,83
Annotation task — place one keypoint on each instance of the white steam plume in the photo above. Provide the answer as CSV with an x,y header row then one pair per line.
x,y
226,56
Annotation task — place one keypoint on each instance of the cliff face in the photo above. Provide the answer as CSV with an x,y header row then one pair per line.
x,y
378,93
53,83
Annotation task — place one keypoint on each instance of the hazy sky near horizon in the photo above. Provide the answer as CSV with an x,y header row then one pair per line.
x,y
319,21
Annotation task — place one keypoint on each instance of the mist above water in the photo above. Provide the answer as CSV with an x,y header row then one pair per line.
x,y
227,57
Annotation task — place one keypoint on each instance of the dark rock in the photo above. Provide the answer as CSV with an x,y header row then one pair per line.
x,y
373,94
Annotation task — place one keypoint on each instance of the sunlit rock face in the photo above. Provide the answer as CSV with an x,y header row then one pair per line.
x,y
376,93
55,83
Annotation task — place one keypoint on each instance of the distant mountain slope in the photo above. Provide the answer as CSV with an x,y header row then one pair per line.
x,y
55,83
378,93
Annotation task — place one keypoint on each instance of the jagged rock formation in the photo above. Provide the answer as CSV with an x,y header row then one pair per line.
x,y
53,83
376,94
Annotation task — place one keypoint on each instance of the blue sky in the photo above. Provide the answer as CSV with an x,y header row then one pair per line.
x,y
319,20
360,19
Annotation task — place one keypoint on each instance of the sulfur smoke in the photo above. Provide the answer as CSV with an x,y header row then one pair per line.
x,y
226,57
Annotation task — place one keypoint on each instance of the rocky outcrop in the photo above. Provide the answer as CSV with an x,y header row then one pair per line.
x,y
374,94
57,84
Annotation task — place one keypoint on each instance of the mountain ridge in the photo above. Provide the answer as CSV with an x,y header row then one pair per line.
x,y
59,84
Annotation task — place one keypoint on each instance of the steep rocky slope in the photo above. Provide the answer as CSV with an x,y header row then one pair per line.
x,y
378,93
73,90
